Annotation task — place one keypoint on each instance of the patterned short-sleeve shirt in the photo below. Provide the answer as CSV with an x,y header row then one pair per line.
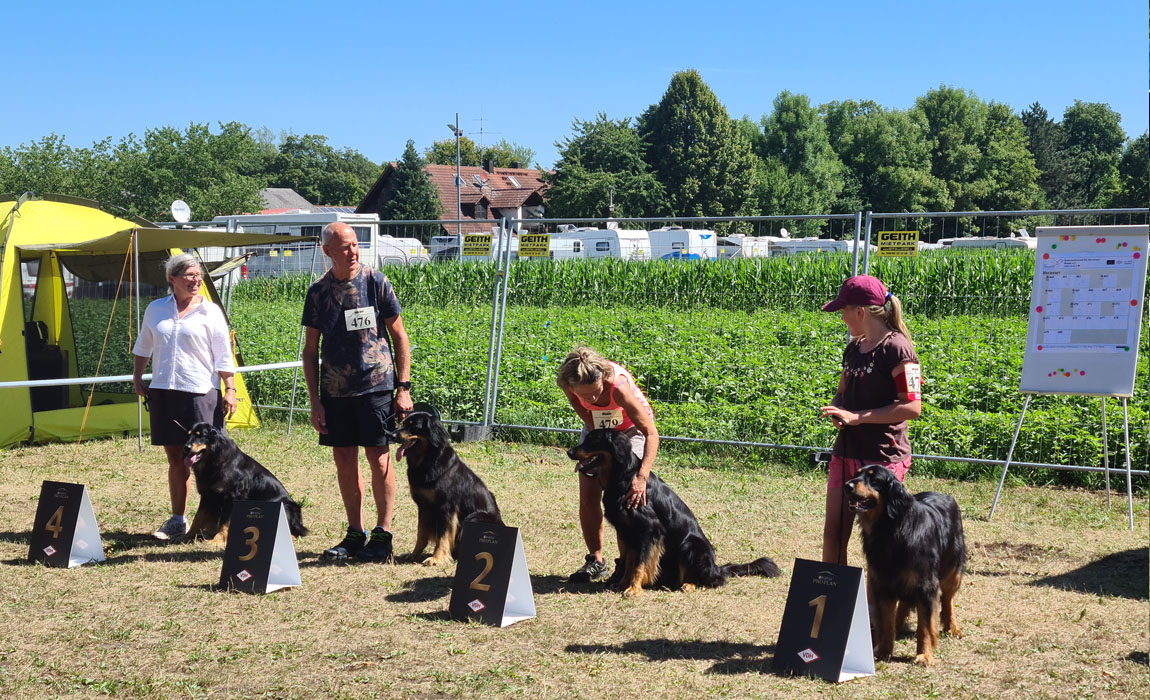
x,y
354,362
869,385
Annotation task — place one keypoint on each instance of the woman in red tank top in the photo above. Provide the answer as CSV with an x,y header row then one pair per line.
x,y
605,395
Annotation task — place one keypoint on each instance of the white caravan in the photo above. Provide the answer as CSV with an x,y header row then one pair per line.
x,y
676,243
794,246
741,246
608,243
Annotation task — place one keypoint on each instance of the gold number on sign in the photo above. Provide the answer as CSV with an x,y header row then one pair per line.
x,y
253,534
53,525
819,604
490,562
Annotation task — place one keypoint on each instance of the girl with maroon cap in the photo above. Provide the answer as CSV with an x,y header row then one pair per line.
x,y
879,391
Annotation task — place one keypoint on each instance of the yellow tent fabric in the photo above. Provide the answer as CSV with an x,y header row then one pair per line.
x,y
36,335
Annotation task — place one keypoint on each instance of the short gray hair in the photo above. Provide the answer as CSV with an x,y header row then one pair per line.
x,y
328,233
178,264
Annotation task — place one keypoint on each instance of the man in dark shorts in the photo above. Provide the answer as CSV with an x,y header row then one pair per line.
x,y
365,378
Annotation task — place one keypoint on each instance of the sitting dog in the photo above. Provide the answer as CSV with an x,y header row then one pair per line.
x,y
446,492
224,474
661,542
915,555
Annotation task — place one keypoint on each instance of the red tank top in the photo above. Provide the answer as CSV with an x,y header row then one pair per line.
x,y
613,415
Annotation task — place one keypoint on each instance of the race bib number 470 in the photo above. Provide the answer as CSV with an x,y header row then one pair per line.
x,y
359,319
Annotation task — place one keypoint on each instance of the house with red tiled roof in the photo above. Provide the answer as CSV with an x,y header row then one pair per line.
x,y
495,193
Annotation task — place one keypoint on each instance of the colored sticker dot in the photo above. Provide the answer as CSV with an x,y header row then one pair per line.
x,y
1039,347
1137,255
1053,245
1134,302
1066,374
1038,309
1046,256
1082,373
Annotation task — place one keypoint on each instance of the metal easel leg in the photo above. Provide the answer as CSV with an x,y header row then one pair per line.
x,y
1009,454
1129,486
1105,453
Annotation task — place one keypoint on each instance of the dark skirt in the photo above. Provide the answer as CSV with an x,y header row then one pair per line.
x,y
173,413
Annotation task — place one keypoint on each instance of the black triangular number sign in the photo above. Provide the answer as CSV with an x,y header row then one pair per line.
x,y
65,532
492,583
259,556
826,625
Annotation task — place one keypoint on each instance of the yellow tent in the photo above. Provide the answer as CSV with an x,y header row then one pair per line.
x,y
53,325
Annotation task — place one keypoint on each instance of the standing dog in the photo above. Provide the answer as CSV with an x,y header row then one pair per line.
x,y
225,474
661,541
446,492
915,555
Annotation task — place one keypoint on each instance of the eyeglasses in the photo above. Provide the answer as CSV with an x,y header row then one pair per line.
x,y
193,278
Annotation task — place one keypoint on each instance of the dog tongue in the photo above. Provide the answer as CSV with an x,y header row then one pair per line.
x,y
399,452
191,459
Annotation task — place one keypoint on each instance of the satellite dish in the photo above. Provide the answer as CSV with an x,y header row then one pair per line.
x,y
181,212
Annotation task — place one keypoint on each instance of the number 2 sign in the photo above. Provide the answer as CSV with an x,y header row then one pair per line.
x,y
491,581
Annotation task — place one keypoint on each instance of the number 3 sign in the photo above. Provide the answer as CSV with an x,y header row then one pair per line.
x,y
826,627
259,556
491,581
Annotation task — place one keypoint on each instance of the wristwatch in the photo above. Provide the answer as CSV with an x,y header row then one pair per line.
x,y
403,385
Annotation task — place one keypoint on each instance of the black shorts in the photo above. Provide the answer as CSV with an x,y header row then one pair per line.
x,y
172,414
357,420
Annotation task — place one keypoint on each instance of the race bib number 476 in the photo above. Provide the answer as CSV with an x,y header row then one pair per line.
x,y
359,319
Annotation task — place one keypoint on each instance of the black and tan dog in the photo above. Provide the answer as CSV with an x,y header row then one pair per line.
x,y
446,492
915,555
224,474
661,542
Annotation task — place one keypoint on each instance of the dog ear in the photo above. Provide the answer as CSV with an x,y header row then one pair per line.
x,y
895,496
621,451
436,433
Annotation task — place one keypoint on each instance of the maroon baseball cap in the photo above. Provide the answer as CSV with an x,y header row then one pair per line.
x,y
860,290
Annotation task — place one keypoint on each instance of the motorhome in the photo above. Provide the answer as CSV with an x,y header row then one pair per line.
x,y
795,246
400,251
990,242
608,243
741,246
676,243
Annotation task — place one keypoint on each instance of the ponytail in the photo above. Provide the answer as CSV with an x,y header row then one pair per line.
x,y
583,366
891,315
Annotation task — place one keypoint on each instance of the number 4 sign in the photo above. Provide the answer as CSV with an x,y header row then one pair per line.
x,y
259,556
491,581
826,626
65,533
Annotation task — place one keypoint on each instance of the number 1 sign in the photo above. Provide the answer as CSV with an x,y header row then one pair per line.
x,y
491,581
826,626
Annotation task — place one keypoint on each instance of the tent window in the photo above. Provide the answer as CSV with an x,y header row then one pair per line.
x,y
29,271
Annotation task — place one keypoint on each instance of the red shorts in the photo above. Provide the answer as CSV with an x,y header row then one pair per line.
x,y
843,469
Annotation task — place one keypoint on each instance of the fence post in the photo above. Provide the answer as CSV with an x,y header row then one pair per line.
x,y
866,247
858,235
499,282
504,227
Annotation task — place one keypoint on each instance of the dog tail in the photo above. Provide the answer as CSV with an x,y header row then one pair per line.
x,y
763,566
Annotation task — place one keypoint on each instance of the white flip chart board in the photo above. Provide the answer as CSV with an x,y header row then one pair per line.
x,y
1086,309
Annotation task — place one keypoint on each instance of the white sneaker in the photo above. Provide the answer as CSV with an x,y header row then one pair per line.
x,y
172,530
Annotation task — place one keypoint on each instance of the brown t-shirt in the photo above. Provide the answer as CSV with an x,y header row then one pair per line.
x,y
869,385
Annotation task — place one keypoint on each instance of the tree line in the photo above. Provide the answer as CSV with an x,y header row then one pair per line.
x,y
682,156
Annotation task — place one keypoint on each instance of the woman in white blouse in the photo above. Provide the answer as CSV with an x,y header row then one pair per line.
x,y
186,337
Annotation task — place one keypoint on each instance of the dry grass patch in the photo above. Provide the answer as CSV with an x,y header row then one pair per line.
x,y
1054,604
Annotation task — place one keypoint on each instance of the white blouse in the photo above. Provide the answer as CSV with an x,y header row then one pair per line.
x,y
187,353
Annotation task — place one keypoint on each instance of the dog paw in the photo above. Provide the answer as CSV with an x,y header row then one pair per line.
x,y
687,587
954,632
924,659
632,591
434,561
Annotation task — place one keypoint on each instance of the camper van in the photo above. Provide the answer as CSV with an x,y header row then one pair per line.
x,y
390,250
608,243
676,243
795,246
740,246
990,242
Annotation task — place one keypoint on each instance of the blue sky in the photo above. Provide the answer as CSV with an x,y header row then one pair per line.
x,y
369,76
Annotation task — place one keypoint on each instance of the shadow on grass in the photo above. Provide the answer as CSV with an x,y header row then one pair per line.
x,y
1139,657
729,658
1125,574
119,544
422,590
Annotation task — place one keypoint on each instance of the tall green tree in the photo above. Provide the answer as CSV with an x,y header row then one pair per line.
x,y
602,161
443,152
1044,138
215,173
320,173
979,151
414,196
505,154
1134,175
1091,147
886,159
801,173
697,151
51,166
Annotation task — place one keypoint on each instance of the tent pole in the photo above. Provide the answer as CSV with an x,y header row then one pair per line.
x,y
136,266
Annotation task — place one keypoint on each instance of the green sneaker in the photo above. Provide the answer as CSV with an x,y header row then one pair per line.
x,y
592,570
349,546
378,547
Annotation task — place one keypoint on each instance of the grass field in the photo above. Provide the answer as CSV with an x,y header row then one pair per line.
x,y
1054,605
